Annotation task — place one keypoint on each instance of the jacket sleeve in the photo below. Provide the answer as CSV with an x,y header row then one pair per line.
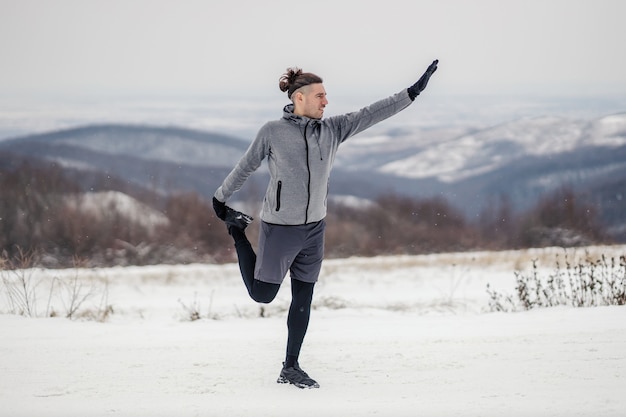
x,y
350,124
249,162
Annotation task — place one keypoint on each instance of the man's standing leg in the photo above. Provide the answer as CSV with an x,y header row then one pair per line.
x,y
304,273
298,319
297,324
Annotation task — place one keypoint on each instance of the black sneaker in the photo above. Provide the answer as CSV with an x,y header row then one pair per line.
x,y
296,376
236,219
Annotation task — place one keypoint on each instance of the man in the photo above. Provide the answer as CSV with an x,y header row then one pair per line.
x,y
300,149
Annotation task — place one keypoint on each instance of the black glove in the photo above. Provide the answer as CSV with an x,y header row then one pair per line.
x,y
420,85
220,208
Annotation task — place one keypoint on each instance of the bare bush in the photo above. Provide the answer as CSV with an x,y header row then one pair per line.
x,y
19,285
74,292
191,310
23,290
589,283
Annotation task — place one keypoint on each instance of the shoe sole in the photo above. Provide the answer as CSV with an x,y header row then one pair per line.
x,y
283,380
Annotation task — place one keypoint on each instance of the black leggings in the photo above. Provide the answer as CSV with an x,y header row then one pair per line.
x,y
265,292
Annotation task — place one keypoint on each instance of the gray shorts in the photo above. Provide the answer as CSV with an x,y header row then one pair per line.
x,y
298,249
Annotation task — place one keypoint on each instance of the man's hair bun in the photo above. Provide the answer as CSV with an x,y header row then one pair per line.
x,y
294,79
289,78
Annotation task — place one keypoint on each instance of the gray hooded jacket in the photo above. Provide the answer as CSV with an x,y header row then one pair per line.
x,y
300,154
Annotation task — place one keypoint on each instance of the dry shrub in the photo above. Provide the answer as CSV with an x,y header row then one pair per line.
x,y
586,283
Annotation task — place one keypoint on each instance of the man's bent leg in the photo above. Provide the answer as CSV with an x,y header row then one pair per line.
x,y
261,292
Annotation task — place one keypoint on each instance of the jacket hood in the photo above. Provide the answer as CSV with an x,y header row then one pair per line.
x,y
288,114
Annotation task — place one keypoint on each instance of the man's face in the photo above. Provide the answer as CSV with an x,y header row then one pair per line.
x,y
311,102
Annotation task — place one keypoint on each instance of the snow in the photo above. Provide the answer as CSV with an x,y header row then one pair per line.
x,y
610,130
102,204
389,336
351,201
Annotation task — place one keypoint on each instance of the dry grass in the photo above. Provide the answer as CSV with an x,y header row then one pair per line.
x,y
515,260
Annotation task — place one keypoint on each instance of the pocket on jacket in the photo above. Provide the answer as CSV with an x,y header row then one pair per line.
x,y
278,188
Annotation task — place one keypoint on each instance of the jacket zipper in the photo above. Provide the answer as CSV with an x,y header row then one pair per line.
x,y
308,167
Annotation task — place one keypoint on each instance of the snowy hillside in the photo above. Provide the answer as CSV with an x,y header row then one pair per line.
x,y
400,336
160,144
452,158
449,154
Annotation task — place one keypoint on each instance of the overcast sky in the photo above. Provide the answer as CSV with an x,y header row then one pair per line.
x,y
161,47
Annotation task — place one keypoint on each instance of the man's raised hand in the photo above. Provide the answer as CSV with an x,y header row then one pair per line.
x,y
420,85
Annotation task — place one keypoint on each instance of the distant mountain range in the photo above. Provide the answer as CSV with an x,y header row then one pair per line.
x,y
519,160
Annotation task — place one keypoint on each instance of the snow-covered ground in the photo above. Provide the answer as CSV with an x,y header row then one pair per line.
x,y
389,336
